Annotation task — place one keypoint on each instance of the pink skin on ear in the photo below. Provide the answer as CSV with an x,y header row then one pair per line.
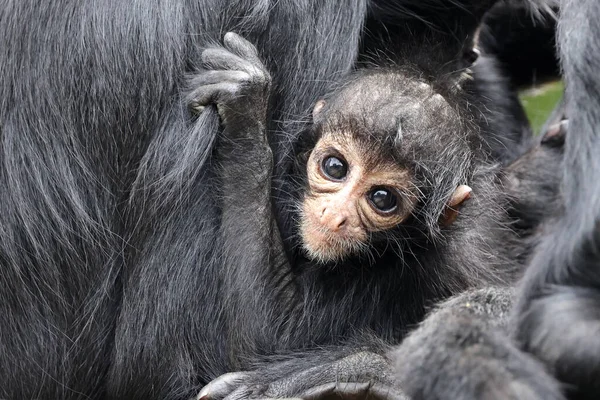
x,y
460,195
318,107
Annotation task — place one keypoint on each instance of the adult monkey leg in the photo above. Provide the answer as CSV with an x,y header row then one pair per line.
x,y
558,315
75,117
461,350
106,211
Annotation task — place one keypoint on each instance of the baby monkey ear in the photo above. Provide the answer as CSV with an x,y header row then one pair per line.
x,y
460,195
317,109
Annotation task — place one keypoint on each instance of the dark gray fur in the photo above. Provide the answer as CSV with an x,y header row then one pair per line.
x,y
115,282
557,317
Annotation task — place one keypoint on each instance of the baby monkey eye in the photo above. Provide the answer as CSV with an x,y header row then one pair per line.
x,y
383,199
334,168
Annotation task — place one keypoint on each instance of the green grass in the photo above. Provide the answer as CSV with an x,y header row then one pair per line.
x,y
540,102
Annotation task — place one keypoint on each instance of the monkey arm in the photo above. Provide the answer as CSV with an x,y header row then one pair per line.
x,y
250,245
557,317
460,351
238,83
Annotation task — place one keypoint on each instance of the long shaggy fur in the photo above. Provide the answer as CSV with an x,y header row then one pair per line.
x,y
557,317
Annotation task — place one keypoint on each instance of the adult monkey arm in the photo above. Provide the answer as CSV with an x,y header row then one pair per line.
x,y
557,317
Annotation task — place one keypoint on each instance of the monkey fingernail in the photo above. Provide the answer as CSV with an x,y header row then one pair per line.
x,y
197,108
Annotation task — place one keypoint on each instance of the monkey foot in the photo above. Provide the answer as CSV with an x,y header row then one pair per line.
x,y
226,388
358,376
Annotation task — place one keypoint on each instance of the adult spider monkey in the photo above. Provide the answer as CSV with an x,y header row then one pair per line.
x,y
112,285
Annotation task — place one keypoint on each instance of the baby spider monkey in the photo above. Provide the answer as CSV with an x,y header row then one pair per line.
x,y
388,151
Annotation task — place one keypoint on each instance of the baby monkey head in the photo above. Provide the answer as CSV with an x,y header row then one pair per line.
x,y
350,195
376,141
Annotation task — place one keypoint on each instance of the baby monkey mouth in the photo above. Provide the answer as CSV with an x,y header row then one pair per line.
x,y
331,237
326,247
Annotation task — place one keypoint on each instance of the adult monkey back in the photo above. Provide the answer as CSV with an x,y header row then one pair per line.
x,y
102,183
89,97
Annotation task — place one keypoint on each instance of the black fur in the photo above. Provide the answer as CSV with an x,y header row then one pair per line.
x,y
524,47
443,147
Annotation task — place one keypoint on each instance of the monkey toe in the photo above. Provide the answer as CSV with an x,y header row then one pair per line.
x,y
353,391
222,386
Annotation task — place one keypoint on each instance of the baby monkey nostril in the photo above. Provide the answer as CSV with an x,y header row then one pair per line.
x,y
340,222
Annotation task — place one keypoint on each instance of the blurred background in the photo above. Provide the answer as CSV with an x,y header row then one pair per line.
x,y
539,101
525,47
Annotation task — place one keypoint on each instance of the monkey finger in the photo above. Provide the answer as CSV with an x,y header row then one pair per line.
x,y
222,386
354,390
212,77
219,59
242,393
241,47
208,94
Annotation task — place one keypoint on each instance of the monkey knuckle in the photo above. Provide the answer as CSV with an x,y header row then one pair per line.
x,y
230,37
259,76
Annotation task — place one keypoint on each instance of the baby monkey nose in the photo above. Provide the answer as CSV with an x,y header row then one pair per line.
x,y
338,223
333,219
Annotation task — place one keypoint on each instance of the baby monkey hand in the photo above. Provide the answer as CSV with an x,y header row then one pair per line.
x,y
236,81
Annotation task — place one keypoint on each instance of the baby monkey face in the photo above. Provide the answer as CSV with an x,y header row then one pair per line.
x,y
351,193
